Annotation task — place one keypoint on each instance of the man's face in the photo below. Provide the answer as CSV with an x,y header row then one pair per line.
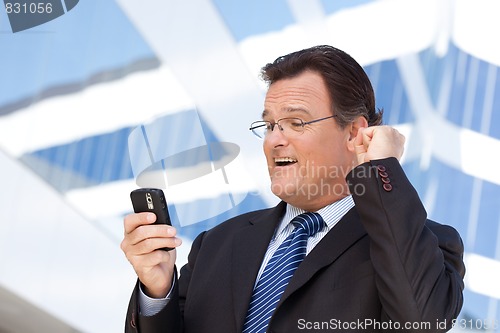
x,y
308,169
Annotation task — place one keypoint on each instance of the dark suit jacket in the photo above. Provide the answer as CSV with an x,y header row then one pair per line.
x,y
383,266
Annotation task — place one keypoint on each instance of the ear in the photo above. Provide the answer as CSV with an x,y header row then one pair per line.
x,y
359,122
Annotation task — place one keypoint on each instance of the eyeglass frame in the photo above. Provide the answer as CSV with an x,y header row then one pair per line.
x,y
277,122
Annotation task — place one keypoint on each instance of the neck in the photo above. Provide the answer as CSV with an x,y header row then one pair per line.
x,y
313,204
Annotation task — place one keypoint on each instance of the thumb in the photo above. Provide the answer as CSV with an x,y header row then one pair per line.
x,y
359,147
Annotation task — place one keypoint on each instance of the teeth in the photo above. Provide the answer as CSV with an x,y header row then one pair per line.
x,y
284,160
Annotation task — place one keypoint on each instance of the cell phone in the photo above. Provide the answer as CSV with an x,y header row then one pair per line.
x,y
151,200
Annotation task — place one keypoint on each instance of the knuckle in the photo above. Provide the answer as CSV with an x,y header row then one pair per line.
x,y
142,232
152,259
160,255
128,219
146,245
123,245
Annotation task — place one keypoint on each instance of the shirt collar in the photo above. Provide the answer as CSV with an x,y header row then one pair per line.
x,y
331,214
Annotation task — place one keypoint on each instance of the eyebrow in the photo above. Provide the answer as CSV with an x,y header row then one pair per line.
x,y
289,110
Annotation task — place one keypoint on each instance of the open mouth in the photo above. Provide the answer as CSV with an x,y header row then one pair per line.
x,y
284,161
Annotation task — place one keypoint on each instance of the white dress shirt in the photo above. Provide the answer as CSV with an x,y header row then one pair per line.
x,y
331,214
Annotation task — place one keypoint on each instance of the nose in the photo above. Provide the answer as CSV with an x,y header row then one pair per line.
x,y
276,137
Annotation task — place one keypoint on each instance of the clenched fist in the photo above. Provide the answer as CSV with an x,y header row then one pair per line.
x,y
378,142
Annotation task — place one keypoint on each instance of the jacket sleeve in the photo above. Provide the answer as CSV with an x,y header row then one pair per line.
x,y
170,318
418,263
167,320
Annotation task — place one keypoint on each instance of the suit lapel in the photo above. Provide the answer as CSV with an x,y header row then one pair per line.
x,y
343,235
250,246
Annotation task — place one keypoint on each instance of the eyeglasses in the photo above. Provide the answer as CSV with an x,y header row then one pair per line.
x,y
289,126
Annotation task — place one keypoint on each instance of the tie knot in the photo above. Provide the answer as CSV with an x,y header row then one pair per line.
x,y
311,222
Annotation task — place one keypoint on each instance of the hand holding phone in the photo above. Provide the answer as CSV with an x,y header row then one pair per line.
x,y
151,200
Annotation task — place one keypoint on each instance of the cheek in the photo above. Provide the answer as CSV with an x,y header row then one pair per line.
x,y
267,153
269,160
324,157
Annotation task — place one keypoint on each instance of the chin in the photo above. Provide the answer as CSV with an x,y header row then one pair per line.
x,y
284,189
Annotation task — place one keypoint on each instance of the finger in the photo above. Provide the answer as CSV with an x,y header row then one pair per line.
x,y
369,132
144,263
146,239
151,244
150,231
366,138
358,141
132,221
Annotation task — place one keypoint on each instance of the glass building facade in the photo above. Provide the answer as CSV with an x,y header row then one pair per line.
x,y
113,95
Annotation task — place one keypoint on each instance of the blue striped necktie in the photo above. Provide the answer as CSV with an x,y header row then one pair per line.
x,y
279,271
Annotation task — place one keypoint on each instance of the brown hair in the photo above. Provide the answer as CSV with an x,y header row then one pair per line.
x,y
350,89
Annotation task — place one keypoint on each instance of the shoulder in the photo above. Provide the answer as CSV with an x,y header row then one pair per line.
x,y
444,233
450,243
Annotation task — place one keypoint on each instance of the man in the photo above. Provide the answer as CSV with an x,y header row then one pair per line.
x,y
376,264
